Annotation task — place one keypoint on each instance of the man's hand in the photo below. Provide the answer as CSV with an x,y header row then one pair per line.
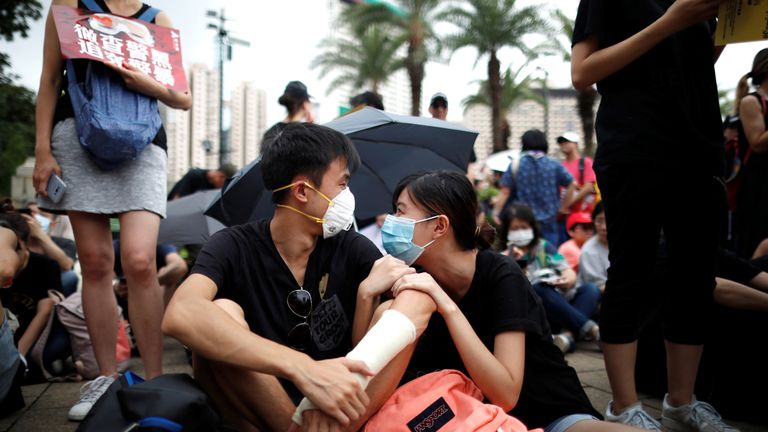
x,y
385,271
332,387
316,420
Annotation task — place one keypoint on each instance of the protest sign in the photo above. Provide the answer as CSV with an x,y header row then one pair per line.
x,y
153,49
742,21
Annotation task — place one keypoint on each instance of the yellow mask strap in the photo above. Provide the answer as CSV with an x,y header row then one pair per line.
x,y
316,219
330,201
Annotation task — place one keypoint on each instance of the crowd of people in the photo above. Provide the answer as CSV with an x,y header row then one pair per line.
x,y
297,321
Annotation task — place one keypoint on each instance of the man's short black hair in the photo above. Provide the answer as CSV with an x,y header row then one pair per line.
x,y
367,98
304,148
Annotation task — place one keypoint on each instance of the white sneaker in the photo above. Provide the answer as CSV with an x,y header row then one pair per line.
x,y
633,415
564,342
90,392
697,416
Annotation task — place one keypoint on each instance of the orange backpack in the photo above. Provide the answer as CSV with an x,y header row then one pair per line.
x,y
441,401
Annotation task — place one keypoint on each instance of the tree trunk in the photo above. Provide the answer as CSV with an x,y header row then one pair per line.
x,y
494,95
585,101
415,70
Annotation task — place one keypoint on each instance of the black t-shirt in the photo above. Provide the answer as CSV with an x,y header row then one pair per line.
x,y
30,286
193,181
246,267
64,103
663,107
500,299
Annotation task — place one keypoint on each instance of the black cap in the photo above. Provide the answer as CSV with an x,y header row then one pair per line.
x,y
438,97
297,91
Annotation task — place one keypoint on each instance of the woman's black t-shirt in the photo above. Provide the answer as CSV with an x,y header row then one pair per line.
x,y
663,107
64,104
500,299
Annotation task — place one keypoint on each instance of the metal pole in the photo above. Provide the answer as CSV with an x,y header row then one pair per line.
x,y
546,104
223,147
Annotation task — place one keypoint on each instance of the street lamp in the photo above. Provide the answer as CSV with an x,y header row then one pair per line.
x,y
225,45
545,88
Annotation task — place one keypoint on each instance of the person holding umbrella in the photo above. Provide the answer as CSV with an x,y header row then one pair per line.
x,y
272,305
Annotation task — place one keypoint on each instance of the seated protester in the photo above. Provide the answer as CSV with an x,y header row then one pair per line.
x,y
271,305
593,260
490,324
11,367
580,229
171,268
41,243
27,296
569,307
197,179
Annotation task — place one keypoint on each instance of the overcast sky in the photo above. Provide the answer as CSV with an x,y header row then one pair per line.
x,y
285,34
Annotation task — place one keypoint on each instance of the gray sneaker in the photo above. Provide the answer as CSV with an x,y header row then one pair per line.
x,y
90,392
633,415
697,416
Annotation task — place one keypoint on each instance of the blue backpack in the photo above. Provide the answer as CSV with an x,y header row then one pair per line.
x,y
114,123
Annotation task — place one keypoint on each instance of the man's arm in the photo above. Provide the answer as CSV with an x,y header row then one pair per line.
x,y
174,269
193,319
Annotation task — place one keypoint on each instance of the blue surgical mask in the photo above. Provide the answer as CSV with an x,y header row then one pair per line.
x,y
397,238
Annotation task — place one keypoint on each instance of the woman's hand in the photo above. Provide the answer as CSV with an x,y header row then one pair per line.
x,y
685,13
138,81
425,283
45,165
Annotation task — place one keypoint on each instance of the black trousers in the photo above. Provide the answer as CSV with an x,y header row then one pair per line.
x,y
641,202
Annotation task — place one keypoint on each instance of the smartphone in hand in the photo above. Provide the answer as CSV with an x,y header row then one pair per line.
x,y
56,188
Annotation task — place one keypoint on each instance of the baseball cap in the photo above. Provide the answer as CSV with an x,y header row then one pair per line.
x,y
438,96
297,90
577,218
569,137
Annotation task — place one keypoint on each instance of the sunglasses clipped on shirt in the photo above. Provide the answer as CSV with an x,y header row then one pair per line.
x,y
300,304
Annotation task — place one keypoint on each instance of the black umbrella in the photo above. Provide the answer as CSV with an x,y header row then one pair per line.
x,y
185,222
391,147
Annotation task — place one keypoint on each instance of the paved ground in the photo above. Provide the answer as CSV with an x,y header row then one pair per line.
x,y
47,404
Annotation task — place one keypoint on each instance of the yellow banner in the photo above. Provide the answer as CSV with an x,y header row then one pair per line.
x,y
742,21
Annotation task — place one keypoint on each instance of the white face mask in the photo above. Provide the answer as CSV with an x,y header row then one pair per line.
x,y
339,216
520,238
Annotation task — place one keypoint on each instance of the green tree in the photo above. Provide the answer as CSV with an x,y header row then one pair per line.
x,y
514,90
585,99
366,61
489,26
410,20
17,104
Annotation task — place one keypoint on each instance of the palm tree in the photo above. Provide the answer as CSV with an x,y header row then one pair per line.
x,y
585,99
512,93
489,26
366,61
412,21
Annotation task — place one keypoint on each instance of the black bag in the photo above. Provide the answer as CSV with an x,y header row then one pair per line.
x,y
171,402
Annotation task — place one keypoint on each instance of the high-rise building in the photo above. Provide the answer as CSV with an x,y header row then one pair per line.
x,y
193,136
248,108
563,117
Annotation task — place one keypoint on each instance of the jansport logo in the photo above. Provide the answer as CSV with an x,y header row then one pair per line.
x,y
432,418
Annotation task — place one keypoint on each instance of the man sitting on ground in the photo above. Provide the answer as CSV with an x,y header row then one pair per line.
x,y
198,179
270,306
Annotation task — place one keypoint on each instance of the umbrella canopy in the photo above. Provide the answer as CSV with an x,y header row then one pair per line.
x,y
393,146
390,147
500,161
185,222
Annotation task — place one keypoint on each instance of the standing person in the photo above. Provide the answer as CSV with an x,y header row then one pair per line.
x,y
653,65
489,324
752,197
535,181
135,192
438,106
198,179
296,101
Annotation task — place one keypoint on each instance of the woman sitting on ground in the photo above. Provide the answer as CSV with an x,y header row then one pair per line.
x,y
490,324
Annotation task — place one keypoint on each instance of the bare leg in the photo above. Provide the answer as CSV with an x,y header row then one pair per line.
x,y
600,426
248,400
682,367
138,242
737,296
94,249
620,366
761,250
